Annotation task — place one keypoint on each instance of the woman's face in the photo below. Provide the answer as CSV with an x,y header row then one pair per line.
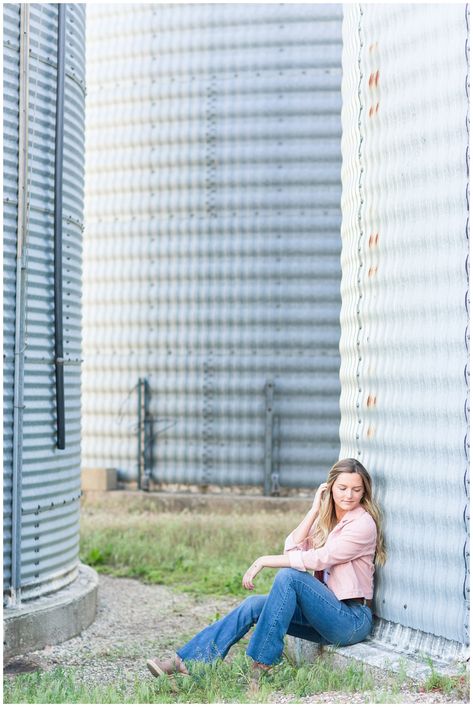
x,y
347,491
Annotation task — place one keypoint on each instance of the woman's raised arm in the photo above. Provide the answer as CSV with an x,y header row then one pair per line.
x,y
296,537
303,529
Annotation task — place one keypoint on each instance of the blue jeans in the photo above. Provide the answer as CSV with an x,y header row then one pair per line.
x,y
299,605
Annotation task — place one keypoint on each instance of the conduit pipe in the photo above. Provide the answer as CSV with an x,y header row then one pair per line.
x,y
58,176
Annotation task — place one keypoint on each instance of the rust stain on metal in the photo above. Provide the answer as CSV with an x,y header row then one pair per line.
x,y
371,401
373,241
373,79
370,431
372,271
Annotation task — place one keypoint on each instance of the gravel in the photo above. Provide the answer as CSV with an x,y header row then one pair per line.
x,y
136,621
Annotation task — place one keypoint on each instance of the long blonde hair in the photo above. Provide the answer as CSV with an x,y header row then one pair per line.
x,y
327,519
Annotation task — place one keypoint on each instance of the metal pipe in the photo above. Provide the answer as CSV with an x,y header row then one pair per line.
x,y
268,437
58,176
140,432
20,306
144,438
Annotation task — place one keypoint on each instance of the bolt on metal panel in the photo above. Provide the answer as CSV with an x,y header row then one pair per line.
x,y
404,357
212,251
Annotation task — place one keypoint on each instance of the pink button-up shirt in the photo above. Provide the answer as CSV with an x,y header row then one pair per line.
x,y
348,555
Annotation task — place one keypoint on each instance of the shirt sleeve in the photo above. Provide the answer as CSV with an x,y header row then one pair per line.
x,y
290,545
356,540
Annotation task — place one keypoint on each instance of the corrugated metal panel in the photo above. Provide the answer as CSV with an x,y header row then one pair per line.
x,y
51,478
404,359
212,249
11,69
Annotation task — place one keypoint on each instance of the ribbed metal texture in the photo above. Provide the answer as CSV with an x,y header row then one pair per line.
x,y
11,68
50,478
212,246
404,359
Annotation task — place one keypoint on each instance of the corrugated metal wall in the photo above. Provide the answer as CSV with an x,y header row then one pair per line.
x,y
404,358
50,478
212,246
11,69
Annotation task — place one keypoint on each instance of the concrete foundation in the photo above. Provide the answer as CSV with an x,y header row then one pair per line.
x,y
52,618
379,655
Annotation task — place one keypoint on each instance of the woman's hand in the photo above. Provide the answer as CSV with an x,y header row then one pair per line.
x,y
251,573
318,496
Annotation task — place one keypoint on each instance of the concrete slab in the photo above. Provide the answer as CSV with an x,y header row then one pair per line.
x,y
377,655
52,618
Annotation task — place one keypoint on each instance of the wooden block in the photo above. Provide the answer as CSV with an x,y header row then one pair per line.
x,y
99,479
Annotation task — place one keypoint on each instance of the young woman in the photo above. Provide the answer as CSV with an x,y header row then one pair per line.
x,y
324,589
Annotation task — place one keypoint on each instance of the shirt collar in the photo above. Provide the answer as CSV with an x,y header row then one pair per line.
x,y
351,515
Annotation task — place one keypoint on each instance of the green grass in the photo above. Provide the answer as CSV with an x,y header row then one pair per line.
x,y
447,684
205,554
222,682
219,683
199,553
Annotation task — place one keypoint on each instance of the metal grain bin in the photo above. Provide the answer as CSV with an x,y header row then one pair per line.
x,y
404,342
212,246
41,482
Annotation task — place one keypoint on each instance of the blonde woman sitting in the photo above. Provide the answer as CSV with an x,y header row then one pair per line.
x,y
323,590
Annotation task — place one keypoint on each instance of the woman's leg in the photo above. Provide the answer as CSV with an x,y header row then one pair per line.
x,y
301,628
216,640
333,620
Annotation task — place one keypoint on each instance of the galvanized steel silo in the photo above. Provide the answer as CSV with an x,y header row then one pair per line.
x,y
212,246
41,482
404,343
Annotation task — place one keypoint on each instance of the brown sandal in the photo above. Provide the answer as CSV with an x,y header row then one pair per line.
x,y
261,666
166,667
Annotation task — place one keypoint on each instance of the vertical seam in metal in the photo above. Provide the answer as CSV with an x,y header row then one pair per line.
x,y
211,204
208,411
466,479
20,305
360,238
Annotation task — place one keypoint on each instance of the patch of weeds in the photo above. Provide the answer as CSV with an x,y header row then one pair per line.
x,y
98,556
457,685
188,552
55,687
396,679
322,676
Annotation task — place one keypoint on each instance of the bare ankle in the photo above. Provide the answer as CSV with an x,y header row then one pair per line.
x,y
180,664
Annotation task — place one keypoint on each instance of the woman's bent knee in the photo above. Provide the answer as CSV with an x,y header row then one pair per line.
x,y
287,574
254,604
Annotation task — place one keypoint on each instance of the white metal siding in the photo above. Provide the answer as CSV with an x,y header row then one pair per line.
x,y
404,359
212,247
50,478
11,68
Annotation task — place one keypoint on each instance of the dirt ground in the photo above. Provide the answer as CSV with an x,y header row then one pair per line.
x,y
136,621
